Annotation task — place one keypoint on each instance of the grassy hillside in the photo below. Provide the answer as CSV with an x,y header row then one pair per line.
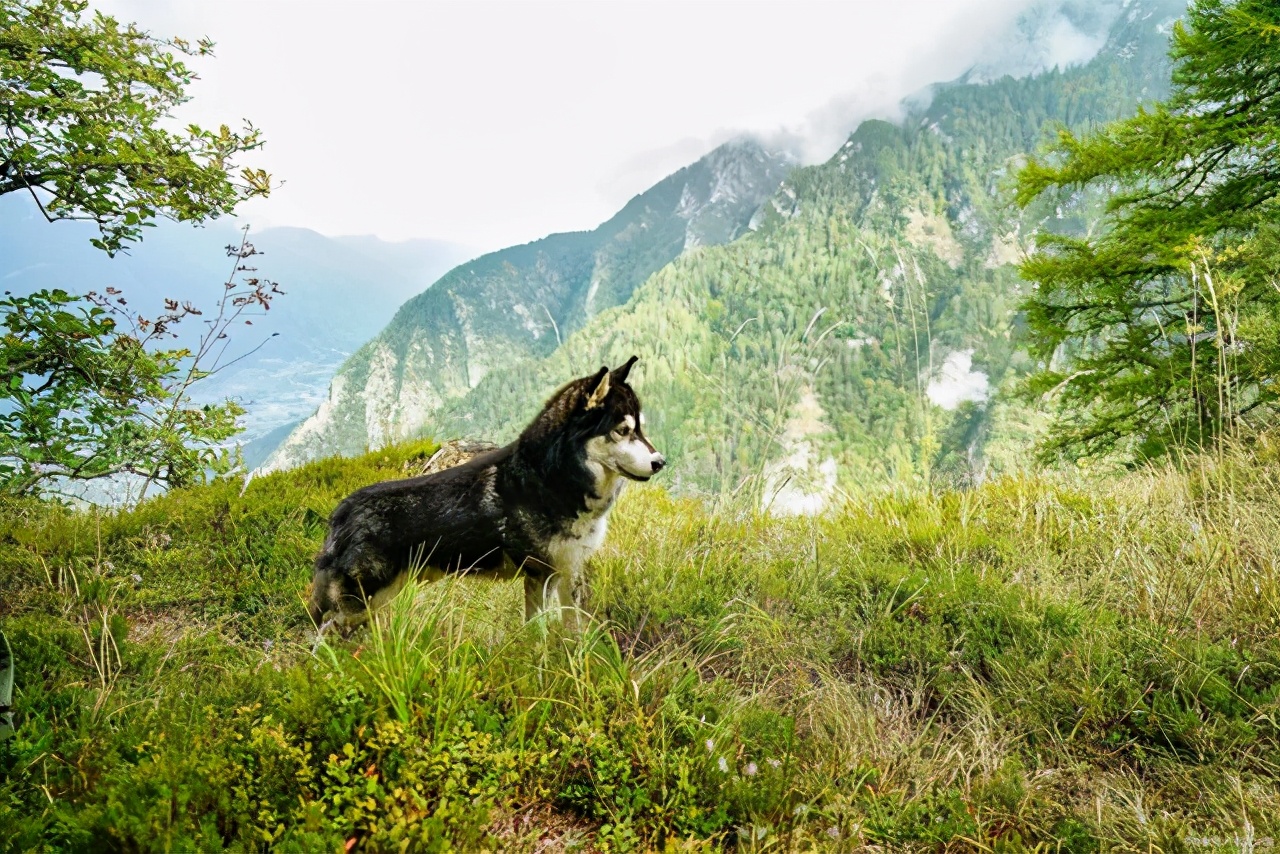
x,y
1077,666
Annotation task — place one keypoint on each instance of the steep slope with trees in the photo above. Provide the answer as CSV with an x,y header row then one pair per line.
x,y
521,302
866,332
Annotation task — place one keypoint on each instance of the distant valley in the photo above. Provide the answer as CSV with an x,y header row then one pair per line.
x,y
338,293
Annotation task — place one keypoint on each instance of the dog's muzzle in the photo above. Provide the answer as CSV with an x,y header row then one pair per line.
x,y
656,465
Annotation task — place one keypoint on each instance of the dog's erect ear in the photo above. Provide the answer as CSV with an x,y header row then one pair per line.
x,y
599,385
620,373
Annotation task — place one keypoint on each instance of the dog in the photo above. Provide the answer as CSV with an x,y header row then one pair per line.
x,y
537,508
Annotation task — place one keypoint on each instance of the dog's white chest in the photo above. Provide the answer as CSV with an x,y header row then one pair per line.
x,y
569,552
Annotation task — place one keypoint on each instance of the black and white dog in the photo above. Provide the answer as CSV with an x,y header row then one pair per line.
x,y
537,508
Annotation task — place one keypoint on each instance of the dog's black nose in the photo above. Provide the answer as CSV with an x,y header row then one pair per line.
x,y
658,463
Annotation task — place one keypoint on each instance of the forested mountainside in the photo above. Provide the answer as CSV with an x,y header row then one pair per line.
x,y
520,303
863,331
866,332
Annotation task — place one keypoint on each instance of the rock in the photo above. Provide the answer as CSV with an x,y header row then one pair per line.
x,y
452,453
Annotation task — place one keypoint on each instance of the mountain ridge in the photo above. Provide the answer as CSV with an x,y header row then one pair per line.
x,y
805,356
442,342
804,361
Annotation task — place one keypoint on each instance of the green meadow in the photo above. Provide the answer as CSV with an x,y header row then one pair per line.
x,y
1033,664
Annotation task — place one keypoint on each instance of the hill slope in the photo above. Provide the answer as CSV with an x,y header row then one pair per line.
x,y
865,332
520,302
1018,665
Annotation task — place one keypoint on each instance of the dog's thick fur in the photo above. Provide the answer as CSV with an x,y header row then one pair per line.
x,y
537,508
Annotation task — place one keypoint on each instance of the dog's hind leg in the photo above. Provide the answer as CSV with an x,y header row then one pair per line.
x,y
320,632
317,605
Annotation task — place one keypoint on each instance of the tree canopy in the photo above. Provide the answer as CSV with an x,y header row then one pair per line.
x,y
89,386
1161,330
87,110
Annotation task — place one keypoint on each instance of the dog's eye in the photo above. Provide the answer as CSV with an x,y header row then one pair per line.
x,y
623,431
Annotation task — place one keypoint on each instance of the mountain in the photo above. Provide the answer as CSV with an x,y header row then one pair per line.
x,y
338,293
862,331
521,303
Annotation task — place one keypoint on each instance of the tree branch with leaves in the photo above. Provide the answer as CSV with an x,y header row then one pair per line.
x,y
84,103
89,387
91,390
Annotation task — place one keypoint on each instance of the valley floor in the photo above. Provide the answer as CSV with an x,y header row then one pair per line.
x,y
1075,667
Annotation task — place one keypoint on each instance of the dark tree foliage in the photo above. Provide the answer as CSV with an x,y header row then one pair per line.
x,y
1160,331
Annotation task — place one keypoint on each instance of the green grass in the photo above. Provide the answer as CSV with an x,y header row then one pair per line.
x,y
1030,664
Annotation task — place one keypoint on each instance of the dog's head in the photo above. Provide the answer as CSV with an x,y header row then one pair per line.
x,y
610,412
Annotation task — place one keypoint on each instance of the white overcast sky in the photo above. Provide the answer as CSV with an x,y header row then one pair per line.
x,y
490,124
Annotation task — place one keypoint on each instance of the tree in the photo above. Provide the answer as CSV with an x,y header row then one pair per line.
x,y
92,392
1161,330
84,104
89,387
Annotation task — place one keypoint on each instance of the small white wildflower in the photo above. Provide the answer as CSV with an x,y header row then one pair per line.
x,y
833,832
711,745
724,766
751,769
774,763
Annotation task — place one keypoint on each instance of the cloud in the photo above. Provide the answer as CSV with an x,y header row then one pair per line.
x,y
1047,34
978,42
490,124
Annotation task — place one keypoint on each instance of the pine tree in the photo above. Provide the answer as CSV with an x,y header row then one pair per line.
x,y
1161,330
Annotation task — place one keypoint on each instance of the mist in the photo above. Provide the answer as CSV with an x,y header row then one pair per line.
x,y
494,124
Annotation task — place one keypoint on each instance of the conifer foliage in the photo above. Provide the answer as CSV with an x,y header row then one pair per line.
x,y
1161,330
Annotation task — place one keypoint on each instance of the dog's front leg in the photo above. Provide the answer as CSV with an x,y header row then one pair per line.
x,y
551,597
568,597
534,598
542,596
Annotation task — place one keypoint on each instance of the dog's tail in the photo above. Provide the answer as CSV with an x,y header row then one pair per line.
x,y
321,598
